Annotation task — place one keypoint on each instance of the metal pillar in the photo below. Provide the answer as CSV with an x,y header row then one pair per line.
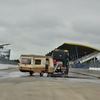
x,y
76,51
74,54
94,60
71,55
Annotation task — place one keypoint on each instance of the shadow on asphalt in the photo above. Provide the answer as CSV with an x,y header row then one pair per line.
x,y
60,76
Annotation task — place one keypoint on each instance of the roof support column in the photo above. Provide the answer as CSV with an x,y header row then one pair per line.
x,y
76,51
94,60
74,54
71,55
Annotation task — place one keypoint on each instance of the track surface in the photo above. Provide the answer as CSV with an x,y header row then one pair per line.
x,y
15,85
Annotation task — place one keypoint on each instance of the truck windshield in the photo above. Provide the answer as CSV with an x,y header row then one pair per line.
x,y
26,61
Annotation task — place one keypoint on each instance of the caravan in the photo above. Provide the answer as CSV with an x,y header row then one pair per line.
x,y
36,63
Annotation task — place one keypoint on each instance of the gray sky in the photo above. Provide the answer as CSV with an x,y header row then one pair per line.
x,y
38,26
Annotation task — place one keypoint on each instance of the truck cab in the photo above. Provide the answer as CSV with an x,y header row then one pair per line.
x,y
61,61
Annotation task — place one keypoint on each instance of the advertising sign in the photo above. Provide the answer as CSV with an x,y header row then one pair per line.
x,y
5,53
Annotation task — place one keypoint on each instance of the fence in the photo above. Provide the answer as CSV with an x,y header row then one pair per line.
x,y
6,61
95,64
84,66
88,65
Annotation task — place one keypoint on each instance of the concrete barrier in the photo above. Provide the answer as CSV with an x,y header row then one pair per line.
x,y
95,73
7,66
94,68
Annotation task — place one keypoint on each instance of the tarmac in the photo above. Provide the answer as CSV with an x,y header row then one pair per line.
x,y
24,87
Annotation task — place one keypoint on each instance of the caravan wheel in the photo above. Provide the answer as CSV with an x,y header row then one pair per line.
x,y
31,73
41,74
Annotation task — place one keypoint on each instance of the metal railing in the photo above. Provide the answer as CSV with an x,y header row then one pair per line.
x,y
6,61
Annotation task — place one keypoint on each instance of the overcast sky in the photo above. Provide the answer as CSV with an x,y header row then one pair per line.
x,y
39,26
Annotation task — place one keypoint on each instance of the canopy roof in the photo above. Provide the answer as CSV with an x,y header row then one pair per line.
x,y
4,44
74,48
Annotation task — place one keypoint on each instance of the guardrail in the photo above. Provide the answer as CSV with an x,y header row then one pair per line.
x,y
94,73
7,66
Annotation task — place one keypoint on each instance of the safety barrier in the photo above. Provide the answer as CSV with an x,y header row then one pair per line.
x,y
95,73
6,61
84,66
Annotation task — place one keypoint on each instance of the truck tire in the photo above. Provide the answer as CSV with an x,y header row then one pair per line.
x,y
62,72
67,71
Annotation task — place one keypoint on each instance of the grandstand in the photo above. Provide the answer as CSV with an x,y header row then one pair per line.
x,y
5,55
4,52
79,54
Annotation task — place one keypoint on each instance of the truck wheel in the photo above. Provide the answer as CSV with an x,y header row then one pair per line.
x,y
31,73
66,72
62,72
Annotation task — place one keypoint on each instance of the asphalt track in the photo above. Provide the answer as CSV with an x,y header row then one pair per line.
x,y
15,85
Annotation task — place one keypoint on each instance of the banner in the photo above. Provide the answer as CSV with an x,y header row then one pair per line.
x,y
5,53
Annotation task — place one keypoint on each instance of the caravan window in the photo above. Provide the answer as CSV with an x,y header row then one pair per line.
x,y
38,62
26,61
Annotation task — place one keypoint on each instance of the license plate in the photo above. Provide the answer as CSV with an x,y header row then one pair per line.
x,y
63,68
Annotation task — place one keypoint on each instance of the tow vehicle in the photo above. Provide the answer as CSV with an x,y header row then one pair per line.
x,y
61,61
